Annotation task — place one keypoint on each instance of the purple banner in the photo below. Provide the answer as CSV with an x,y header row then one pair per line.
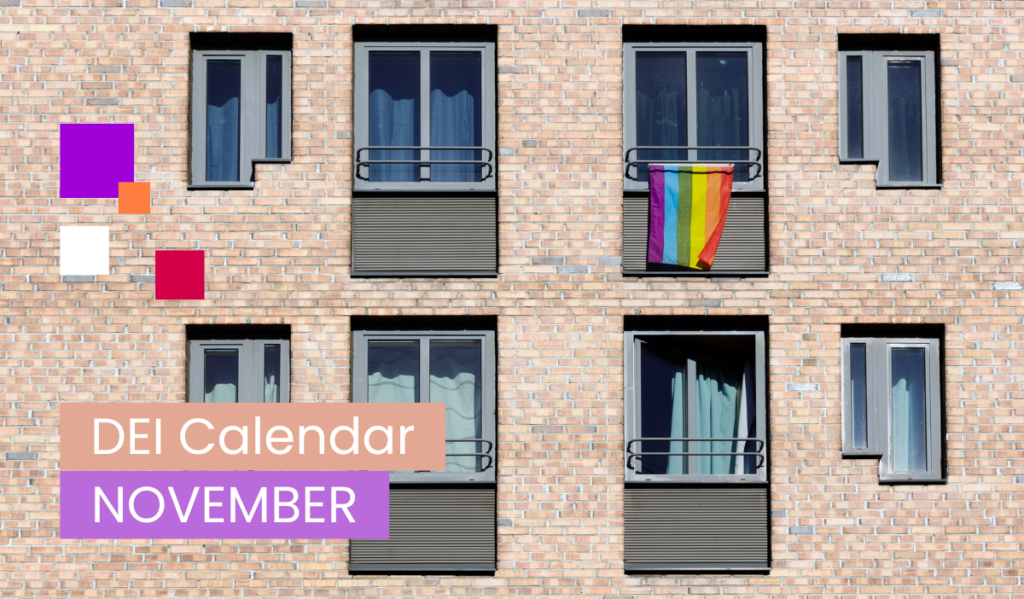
x,y
224,505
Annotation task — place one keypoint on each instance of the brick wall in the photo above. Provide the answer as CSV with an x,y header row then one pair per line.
x,y
841,252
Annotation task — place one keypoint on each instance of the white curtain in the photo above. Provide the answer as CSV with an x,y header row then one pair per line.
x,y
719,400
677,463
460,395
908,410
393,123
453,123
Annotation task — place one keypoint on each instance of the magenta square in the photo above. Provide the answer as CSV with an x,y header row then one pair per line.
x,y
94,158
180,275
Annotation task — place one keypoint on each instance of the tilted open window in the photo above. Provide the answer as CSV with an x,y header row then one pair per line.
x,y
440,521
696,451
241,111
891,406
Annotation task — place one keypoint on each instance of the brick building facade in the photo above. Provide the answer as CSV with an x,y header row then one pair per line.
x,y
841,254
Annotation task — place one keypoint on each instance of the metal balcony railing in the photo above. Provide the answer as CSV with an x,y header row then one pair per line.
x,y
426,162
487,453
632,455
636,162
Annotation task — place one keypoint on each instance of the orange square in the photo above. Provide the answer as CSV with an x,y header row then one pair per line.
x,y
133,198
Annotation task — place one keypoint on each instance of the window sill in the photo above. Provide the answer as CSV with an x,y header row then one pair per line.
x,y
710,568
697,480
909,186
710,274
223,186
426,274
913,481
475,569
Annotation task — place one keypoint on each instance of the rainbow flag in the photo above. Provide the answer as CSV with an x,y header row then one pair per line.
x,y
688,206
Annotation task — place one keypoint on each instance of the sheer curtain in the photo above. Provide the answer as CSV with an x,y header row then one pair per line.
x,y
393,368
719,405
455,117
908,410
455,380
394,113
660,106
223,93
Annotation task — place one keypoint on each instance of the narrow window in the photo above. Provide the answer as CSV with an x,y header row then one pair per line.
x,y
223,104
226,366
661,116
855,107
455,115
887,105
241,112
723,117
891,406
274,105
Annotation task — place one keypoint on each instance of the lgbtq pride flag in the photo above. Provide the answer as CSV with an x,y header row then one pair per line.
x,y
688,206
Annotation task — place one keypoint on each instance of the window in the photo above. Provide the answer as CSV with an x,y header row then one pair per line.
x,y
241,114
695,407
238,371
453,368
887,112
696,495
690,99
440,521
425,116
891,406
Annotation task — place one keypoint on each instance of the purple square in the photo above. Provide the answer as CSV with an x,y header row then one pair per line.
x,y
94,158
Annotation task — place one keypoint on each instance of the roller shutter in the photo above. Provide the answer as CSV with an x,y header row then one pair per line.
x,y
432,236
696,528
742,248
433,530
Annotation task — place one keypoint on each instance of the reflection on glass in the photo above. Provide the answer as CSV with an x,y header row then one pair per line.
x,y
858,392
722,115
220,369
908,410
271,373
223,97
854,107
455,117
456,380
274,81
393,370
662,410
394,113
660,107
905,123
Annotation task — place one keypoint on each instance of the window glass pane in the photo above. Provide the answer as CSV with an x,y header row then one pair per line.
x,y
905,152
662,410
274,82
723,118
394,113
220,371
858,394
908,410
456,380
455,113
724,410
660,107
854,107
223,98
272,373
393,370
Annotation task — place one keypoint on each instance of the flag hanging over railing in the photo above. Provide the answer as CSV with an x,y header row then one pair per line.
x,y
688,207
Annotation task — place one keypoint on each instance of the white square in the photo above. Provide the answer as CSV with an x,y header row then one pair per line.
x,y
84,251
